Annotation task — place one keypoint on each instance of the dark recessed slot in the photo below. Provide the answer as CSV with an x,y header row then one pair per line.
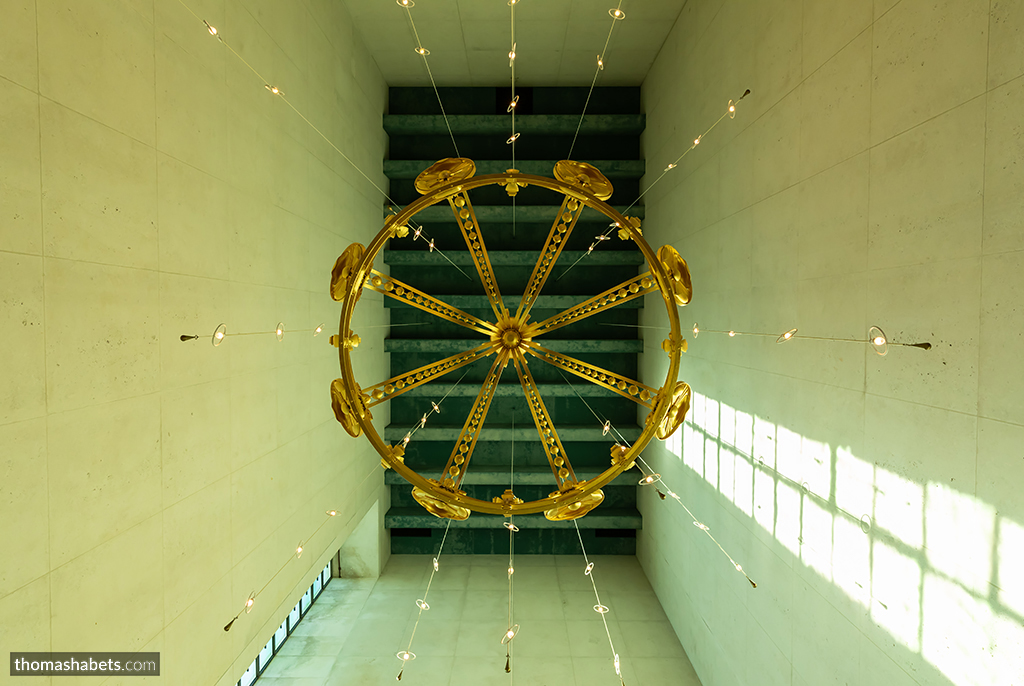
x,y
412,533
614,533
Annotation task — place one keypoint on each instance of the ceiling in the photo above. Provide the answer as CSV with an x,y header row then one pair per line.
x,y
557,41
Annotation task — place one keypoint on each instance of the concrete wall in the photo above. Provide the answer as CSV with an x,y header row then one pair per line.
x,y
152,187
873,177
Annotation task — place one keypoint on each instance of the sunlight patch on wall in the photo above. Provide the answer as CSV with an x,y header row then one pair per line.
x,y
1011,562
896,594
854,483
816,538
918,558
959,538
898,507
851,560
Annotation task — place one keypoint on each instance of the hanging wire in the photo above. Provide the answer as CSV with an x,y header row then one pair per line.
x,y
599,608
421,603
276,91
729,112
514,101
251,600
652,477
617,16
423,52
434,408
419,232
513,629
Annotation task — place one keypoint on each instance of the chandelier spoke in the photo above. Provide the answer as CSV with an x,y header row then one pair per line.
x,y
458,463
636,287
557,238
396,386
466,217
623,385
559,461
403,292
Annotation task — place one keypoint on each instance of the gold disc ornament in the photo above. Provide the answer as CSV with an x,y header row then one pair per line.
x,y
344,270
575,509
585,177
444,172
344,411
678,407
678,274
439,507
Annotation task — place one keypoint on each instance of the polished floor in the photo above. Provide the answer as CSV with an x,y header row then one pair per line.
x,y
352,633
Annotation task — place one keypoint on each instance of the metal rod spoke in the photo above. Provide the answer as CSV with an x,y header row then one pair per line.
x,y
403,292
556,455
623,385
553,246
636,287
466,217
396,386
458,463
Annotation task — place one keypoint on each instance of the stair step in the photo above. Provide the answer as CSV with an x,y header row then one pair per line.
x,y
512,258
524,432
507,390
613,169
544,302
534,476
418,518
442,213
451,346
535,124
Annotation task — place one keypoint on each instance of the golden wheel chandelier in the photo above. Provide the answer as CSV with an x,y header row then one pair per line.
x,y
510,337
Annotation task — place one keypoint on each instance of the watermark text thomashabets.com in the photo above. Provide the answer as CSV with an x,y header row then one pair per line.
x,y
85,664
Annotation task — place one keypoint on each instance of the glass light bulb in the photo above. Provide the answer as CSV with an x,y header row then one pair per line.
x,y
696,141
739,568
436,566
220,335
878,340
732,334
298,551
317,330
511,571
732,108
332,513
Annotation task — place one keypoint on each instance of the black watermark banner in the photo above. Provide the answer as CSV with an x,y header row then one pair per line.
x,y
85,664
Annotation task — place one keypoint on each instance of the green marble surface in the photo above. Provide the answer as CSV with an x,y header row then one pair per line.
x,y
450,346
486,214
484,124
613,169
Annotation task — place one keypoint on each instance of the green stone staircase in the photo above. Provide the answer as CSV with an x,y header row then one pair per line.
x,y
610,140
